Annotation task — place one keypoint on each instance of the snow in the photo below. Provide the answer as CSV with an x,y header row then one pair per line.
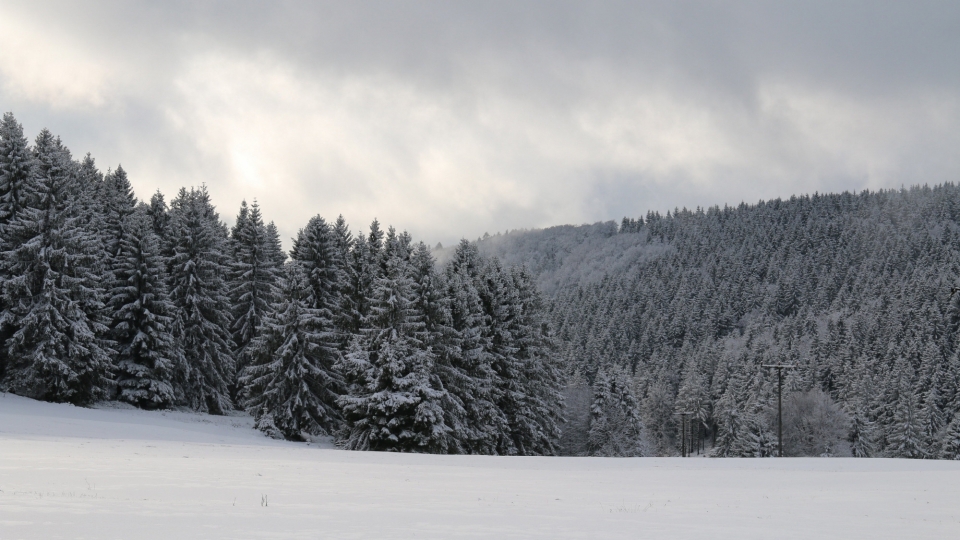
x,y
115,472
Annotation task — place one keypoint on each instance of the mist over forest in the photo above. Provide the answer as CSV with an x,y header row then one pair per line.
x,y
577,340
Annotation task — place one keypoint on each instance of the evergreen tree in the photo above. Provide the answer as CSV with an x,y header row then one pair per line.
x,y
730,425
159,216
118,202
199,293
243,216
52,293
367,267
950,444
861,434
658,414
346,313
433,310
757,439
253,278
90,203
906,437
535,421
143,325
615,426
291,385
932,421
499,305
315,250
395,404
15,166
466,370
276,249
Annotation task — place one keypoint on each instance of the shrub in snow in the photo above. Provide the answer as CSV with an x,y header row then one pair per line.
x,y
813,425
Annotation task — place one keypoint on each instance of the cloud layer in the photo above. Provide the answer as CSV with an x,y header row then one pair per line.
x,y
452,119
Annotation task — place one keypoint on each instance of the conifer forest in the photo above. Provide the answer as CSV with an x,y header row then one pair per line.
x,y
578,340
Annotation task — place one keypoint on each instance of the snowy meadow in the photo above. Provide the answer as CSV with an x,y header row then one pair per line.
x,y
115,472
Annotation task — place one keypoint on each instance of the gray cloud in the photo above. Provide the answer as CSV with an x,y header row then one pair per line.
x,y
451,119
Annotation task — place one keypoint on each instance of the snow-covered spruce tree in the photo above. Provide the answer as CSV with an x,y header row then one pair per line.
x,y
198,289
433,309
932,421
367,265
861,435
758,438
242,217
345,314
730,424
291,385
659,411
315,250
950,443
253,279
757,435
535,422
159,215
143,325
906,438
466,370
692,394
117,203
90,203
394,404
276,248
52,293
498,300
615,425
15,165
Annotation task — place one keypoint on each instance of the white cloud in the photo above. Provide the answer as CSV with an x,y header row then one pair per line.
x,y
445,161
365,146
484,127
880,139
45,66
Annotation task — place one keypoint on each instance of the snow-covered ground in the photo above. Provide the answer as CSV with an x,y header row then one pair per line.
x,y
68,472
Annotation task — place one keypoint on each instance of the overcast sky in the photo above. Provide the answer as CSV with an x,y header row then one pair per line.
x,y
453,119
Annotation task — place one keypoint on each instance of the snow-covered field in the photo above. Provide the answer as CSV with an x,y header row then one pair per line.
x,y
68,472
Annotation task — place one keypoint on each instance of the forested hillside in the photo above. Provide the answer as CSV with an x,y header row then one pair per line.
x,y
363,337
679,312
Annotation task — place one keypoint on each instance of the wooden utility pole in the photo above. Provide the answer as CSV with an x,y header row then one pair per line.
x,y
697,417
780,368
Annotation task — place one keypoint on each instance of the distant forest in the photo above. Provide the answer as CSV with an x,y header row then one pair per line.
x,y
576,340
661,314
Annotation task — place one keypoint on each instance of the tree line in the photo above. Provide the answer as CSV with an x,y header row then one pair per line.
x,y
365,338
